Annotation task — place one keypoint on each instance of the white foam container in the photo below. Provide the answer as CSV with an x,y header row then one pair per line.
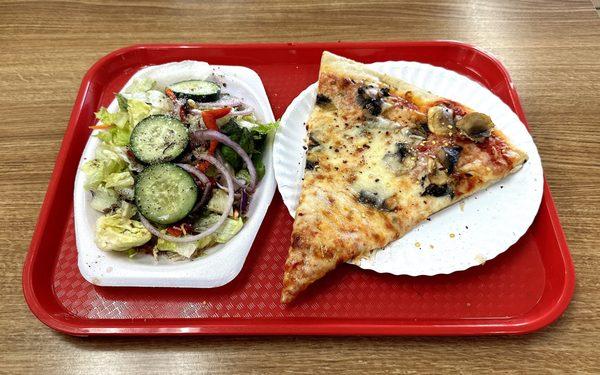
x,y
221,263
464,235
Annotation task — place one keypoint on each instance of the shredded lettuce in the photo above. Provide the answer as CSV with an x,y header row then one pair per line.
x,y
244,175
108,178
122,101
249,122
226,232
218,201
229,229
119,118
104,199
127,210
119,180
185,249
115,232
159,102
107,161
115,136
137,110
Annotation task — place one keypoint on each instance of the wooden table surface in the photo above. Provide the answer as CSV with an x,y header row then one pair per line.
x,y
551,48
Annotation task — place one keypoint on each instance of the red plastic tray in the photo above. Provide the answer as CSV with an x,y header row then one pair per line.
x,y
520,291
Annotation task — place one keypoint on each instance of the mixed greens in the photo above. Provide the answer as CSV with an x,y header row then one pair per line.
x,y
176,168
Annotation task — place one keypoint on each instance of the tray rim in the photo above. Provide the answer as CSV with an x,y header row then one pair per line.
x,y
335,327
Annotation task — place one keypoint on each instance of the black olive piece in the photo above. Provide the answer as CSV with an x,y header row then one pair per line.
x,y
384,91
367,197
450,157
311,165
323,99
371,104
370,198
312,142
438,190
402,150
374,107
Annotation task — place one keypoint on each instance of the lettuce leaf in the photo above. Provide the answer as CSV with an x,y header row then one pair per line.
x,y
185,249
127,210
108,177
117,233
137,110
104,199
249,122
115,136
229,229
226,232
122,101
119,118
119,180
106,162
159,102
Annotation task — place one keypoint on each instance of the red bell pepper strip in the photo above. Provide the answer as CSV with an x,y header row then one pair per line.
x,y
210,118
180,230
174,231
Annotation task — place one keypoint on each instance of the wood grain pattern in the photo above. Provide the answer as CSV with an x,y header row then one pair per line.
x,y
551,48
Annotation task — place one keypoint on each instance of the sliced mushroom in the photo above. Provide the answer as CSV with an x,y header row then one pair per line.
x,y
415,133
448,157
373,199
401,160
438,190
476,126
370,98
440,120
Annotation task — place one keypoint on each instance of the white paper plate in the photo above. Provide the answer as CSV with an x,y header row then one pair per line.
x,y
463,235
221,263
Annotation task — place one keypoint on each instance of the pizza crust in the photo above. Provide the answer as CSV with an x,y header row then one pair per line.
x,y
343,67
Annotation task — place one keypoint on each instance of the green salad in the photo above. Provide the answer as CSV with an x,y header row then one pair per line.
x,y
176,168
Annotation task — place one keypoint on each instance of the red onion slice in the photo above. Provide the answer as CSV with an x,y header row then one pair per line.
x,y
204,135
152,229
205,181
204,199
237,182
223,102
246,110
243,202
191,170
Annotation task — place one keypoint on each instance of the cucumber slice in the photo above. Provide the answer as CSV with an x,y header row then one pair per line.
x,y
158,138
200,91
165,193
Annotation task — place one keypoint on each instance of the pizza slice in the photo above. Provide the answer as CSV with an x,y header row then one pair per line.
x,y
383,156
